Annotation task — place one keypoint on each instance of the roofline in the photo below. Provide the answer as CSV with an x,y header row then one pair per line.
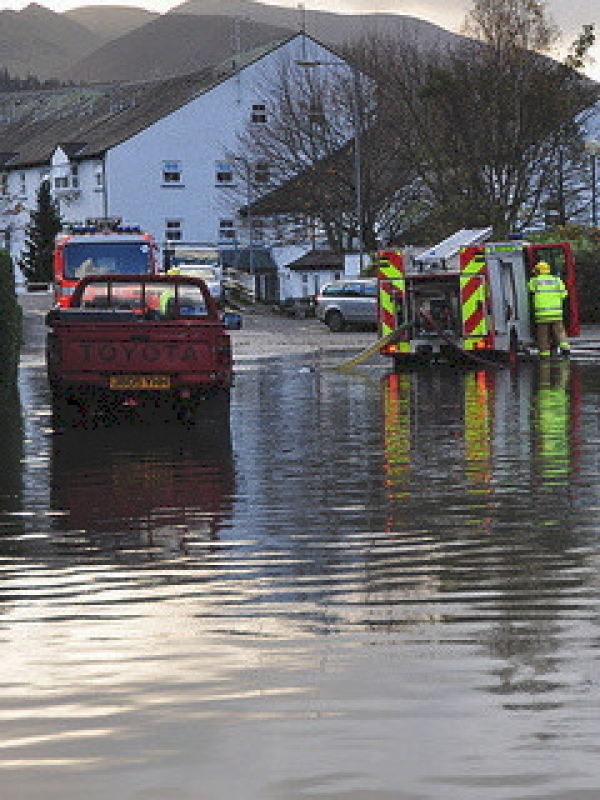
x,y
100,153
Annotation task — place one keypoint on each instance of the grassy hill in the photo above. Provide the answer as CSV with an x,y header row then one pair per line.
x,y
172,44
112,43
110,22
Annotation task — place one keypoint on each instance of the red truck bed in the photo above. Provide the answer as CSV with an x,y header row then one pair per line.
x,y
137,340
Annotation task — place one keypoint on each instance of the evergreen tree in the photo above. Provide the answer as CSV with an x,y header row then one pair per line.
x,y
45,223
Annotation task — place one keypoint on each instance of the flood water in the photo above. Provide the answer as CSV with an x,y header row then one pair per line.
x,y
366,587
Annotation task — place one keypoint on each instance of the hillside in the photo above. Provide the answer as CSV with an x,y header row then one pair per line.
x,y
36,41
110,22
108,43
172,44
328,27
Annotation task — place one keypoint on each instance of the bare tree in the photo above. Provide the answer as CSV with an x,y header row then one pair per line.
x,y
483,134
491,120
307,145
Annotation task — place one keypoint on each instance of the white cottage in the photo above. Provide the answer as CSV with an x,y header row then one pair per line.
x,y
155,154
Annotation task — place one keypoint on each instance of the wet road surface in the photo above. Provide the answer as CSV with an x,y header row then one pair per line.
x,y
366,586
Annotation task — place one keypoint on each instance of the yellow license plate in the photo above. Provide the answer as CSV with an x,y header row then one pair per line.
x,y
140,382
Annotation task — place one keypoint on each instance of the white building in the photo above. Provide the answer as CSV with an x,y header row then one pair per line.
x,y
157,155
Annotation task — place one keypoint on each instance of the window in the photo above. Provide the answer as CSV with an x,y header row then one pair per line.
x,y
173,230
74,176
224,173
226,230
4,184
257,232
261,172
171,173
61,182
23,184
259,113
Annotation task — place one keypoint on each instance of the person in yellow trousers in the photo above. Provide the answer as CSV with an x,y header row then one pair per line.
x,y
548,293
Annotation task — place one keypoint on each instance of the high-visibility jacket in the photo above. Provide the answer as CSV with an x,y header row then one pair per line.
x,y
548,294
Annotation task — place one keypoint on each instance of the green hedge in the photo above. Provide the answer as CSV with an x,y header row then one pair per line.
x,y
10,321
588,285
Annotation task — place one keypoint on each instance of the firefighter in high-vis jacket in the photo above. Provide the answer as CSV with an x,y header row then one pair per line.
x,y
548,292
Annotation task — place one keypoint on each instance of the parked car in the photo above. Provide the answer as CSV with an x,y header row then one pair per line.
x,y
348,302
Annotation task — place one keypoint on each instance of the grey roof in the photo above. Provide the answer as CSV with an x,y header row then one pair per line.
x,y
318,260
89,121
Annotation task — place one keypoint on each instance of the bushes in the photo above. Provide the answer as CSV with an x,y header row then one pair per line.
x,y
10,321
588,284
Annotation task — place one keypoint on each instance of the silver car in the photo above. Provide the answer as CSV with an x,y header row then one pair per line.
x,y
348,302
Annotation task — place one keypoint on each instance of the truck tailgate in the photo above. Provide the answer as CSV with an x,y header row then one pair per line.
x,y
139,347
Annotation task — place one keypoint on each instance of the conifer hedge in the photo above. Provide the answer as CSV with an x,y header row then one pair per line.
x,y
10,321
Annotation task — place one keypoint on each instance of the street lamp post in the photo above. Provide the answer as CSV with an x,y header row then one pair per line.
x,y
593,148
357,141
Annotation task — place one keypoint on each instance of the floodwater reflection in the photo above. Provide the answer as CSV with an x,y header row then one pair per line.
x,y
11,437
366,586
143,489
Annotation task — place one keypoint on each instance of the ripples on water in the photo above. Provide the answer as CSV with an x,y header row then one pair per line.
x,y
367,586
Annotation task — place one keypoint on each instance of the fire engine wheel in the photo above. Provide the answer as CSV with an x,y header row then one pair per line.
x,y
335,322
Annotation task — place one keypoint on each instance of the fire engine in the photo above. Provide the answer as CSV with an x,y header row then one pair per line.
x,y
100,247
466,298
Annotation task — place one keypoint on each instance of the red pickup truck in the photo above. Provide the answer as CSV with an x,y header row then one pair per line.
x,y
138,340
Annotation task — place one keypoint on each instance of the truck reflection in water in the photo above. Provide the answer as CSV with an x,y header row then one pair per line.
x,y
147,492
11,436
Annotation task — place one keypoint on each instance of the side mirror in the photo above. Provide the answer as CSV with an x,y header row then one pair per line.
x,y
232,321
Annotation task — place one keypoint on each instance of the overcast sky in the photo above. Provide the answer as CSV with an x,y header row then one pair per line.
x,y
570,15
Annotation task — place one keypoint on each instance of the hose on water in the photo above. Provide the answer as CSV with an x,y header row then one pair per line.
x,y
392,337
389,338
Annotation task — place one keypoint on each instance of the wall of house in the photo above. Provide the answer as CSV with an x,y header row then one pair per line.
x,y
79,196
129,183
196,137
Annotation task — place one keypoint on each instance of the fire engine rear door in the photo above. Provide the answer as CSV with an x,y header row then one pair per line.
x,y
509,300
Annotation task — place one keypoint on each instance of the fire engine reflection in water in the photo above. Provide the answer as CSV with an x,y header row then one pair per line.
x,y
480,429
